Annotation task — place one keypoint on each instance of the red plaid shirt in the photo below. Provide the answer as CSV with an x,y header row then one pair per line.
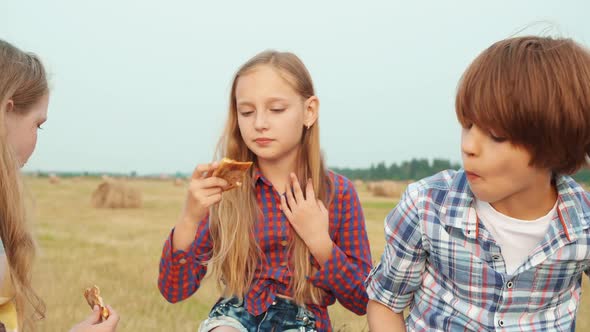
x,y
341,277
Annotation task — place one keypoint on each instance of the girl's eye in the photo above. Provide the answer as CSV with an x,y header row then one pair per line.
x,y
277,110
246,113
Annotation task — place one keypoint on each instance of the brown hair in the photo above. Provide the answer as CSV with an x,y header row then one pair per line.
x,y
235,251
22,80
535,92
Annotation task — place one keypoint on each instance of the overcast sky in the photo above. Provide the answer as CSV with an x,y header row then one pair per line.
x,y
143,85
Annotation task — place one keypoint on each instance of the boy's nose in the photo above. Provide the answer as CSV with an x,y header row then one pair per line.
x,y
470,145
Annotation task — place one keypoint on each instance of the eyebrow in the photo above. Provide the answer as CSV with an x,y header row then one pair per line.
x,y
269,100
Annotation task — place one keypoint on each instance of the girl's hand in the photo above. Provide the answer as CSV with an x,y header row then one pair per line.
x,y
93,323
307,214
204,191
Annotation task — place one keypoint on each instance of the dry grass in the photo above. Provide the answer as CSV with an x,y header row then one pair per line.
x,y
119,251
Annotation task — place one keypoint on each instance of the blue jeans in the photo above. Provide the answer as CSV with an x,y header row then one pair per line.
x,y
282,316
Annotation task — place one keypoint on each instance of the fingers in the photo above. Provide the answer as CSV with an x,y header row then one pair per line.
x,y
297,192
203,171
94,317
213,199
113,318
292,203
213,182
322,206
285,208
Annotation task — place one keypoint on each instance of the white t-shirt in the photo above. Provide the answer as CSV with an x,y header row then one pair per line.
x,y
516,238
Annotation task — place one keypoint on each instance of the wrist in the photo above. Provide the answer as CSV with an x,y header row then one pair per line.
x,y
319,242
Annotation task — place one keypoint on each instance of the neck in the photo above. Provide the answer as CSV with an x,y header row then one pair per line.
x,y
277,170
530,203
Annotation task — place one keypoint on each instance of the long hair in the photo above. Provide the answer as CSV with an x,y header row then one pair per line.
x,y
22,80
235,252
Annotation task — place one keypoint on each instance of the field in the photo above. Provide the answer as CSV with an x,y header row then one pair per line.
x,y
119,250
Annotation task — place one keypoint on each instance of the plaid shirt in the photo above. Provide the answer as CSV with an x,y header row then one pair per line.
x,y
440,260
341,277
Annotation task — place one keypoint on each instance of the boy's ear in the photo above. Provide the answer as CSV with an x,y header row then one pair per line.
x,y
312,109
9,106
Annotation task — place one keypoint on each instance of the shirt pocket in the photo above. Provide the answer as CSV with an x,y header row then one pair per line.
x,y
457,269
556,280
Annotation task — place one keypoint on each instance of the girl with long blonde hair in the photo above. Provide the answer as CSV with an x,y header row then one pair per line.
x,y
24,98
289,241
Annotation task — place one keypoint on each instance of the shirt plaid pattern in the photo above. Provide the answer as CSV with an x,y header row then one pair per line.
x,y
440,260
341,277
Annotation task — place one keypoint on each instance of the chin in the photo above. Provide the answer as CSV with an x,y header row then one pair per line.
x,y
482,195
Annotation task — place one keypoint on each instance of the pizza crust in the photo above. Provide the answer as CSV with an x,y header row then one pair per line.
x,y
93,298
232,171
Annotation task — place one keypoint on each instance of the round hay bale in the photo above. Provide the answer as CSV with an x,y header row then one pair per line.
x,y
53,179
116,195
387,188
359,184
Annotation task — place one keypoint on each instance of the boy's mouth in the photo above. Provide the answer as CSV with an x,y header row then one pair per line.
x,y
471,176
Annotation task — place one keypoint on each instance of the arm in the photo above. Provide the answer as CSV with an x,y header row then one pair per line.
x,y
181,271
398,275
382,319
188,248
346,262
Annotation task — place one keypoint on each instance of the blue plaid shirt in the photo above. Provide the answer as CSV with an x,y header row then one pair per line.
x,y
440,260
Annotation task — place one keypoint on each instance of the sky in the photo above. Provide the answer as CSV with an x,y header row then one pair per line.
x,y
144,85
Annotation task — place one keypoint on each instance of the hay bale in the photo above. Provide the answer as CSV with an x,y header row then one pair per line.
x,y
359,184
53,179
387,188
178,182
116,195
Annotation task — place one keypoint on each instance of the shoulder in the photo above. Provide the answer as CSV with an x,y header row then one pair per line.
x,y
437,186
340,184
574,195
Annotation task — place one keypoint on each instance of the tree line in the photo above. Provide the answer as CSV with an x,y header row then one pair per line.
x,y
416,169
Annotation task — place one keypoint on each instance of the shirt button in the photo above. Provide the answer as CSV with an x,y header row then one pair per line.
x,y
496,257
509,284
284,243
274,303
182,261
501,323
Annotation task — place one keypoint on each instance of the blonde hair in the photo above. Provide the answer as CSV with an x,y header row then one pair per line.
x,y
235,252
22,80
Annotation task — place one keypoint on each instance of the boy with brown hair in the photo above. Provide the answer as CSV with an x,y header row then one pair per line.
x,y
501,244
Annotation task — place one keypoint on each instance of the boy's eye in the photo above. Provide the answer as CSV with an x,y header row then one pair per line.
x,y
39,127
277,110
498,139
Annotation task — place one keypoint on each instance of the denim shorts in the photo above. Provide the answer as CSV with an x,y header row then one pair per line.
x,y
282,316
